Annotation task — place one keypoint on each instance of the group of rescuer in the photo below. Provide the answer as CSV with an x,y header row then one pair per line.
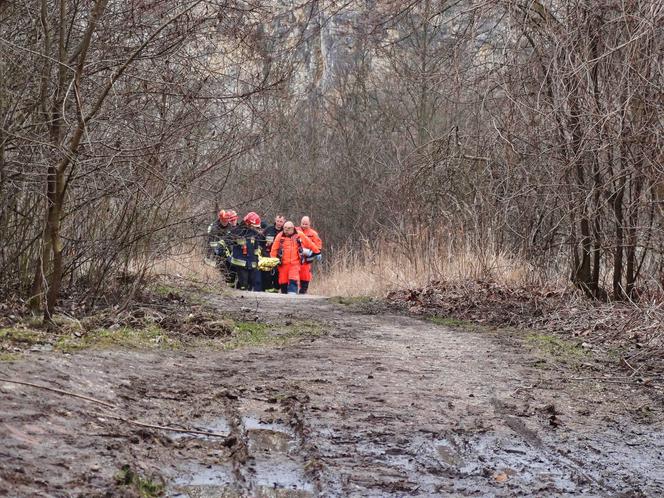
x,y
256,257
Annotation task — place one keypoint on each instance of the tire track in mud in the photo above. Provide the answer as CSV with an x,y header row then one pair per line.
x,y
236,441
313,466
275,448
532,439
265,451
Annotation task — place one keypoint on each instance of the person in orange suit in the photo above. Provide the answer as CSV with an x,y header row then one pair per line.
x,y
305,268
289,246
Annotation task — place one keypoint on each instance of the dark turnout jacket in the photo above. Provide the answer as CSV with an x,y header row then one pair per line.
x,y
247,244
219,238
271,233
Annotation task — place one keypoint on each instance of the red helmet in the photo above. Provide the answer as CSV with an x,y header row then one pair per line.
x,y
253,219
228,216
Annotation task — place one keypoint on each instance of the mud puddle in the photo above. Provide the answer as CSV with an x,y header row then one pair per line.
x,y
276,465
204,481
263,460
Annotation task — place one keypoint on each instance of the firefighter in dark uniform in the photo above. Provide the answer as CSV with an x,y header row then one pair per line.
x,y
248,244
219,242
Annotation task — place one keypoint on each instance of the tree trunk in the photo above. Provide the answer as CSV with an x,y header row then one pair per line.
x,y
55,211
632,237
582,274
618,289
598,291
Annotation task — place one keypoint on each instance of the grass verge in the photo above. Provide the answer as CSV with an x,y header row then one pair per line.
x,y
454,323
261,334
236,334
351,300
9,357
558,349
21,336
150,337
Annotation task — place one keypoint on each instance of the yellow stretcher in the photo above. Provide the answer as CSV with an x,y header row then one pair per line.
x,y
267,264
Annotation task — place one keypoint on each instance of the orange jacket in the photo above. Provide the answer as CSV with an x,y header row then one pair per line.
x,y
305,268
290,249
313,236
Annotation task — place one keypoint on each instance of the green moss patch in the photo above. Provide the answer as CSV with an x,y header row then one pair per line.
x,y
166,290
350,300
196,330
21,336
559,349
145,487
150,337
262,334
9,357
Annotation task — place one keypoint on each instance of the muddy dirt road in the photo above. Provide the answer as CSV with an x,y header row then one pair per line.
x,y
372,405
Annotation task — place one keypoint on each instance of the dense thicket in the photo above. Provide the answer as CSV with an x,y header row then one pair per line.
x,y
533,128
116,117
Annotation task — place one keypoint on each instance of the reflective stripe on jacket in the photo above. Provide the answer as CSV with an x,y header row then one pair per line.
x,y
248,244
219,238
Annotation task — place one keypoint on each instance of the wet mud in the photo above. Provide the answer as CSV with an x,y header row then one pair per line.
x,y
379,405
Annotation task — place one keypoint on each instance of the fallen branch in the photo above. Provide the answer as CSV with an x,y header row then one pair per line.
x,y
109,405
164,428
59,391
619,380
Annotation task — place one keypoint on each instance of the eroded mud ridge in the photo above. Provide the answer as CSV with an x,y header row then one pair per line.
x,y
379,405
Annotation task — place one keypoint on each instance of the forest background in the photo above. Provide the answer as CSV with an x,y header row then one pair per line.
x,y
512,141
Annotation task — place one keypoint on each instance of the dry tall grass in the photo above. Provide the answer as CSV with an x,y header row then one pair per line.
x,y
381,267
187,263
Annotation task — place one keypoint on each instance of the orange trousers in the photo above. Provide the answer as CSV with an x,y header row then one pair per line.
x,y
305,272
289,272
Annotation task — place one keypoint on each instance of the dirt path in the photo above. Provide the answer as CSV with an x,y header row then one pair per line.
x,y
380,405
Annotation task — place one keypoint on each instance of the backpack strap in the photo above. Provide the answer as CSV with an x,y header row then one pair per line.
x,y
300,249
280,251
